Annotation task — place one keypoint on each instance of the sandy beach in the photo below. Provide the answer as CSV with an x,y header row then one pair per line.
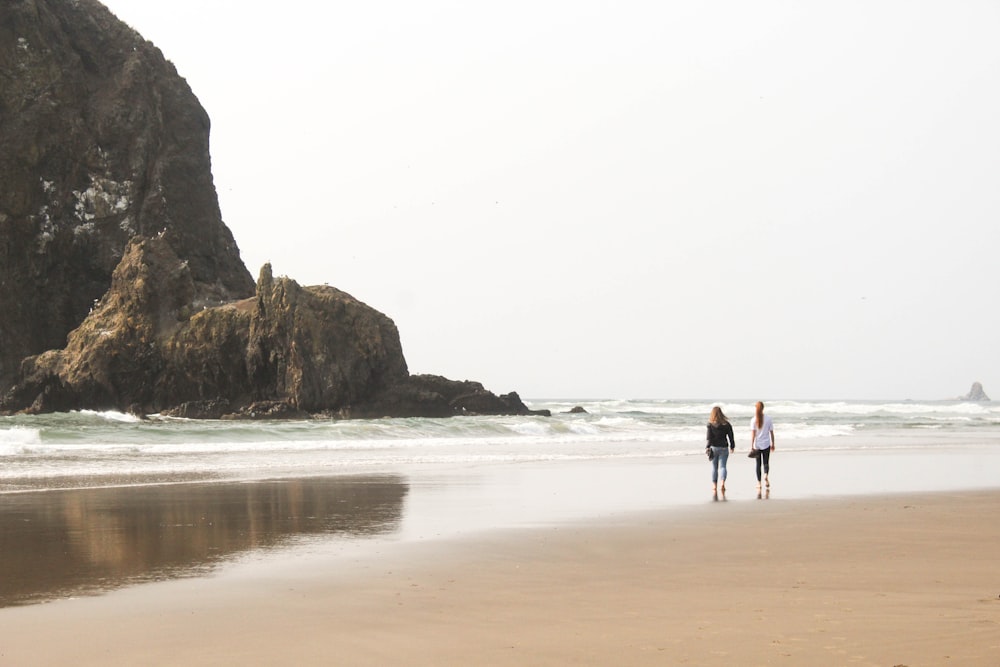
x,y
904,579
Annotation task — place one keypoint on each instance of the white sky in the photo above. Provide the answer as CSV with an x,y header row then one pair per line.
x,y
582,199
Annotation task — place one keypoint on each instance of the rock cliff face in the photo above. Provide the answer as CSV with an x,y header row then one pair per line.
x,y
100,141
120,286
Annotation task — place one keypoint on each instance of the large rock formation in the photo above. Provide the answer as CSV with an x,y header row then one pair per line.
x,y
290,351
100,141
976,393
120,286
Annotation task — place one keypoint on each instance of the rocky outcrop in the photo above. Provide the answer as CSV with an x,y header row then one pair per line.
x,y
289,352
435,396
100,141
120,286
976,393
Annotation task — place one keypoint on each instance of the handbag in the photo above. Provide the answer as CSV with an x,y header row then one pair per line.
x,y
754,453
710,453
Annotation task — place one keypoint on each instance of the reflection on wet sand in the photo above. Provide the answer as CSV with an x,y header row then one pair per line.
x,y
84,541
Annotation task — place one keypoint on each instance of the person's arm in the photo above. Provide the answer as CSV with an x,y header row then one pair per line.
x,y
772,439
732,438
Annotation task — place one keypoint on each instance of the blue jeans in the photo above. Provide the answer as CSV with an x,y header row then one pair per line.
x,y
719,463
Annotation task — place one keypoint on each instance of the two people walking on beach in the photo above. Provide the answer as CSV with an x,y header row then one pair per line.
x,y
719,443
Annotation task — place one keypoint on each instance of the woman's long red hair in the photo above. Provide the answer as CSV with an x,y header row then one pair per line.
x,y
760,415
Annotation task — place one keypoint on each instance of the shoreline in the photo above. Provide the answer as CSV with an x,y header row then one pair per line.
x,y
73,542
900,578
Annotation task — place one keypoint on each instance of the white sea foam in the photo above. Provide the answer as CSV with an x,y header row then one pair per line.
x,y
17,440
111,415
531,428
795,431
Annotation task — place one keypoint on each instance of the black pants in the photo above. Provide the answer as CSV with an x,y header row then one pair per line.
x,y
764,460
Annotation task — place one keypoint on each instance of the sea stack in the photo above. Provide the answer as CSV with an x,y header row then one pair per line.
x,y
122,288
100,141
976,393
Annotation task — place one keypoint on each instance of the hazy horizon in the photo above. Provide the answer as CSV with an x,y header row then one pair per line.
x,y
630,199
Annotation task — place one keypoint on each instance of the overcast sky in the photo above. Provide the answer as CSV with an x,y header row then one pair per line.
x,y
582,199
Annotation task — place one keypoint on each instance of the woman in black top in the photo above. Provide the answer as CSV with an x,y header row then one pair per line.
x,y
720,434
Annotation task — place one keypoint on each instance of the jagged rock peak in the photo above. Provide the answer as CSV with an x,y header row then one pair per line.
x,y
100,140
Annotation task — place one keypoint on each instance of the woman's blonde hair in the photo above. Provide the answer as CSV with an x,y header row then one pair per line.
x,y
716,417
760,415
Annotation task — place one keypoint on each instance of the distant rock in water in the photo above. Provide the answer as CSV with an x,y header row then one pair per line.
x,y
577,410
975,394
120,286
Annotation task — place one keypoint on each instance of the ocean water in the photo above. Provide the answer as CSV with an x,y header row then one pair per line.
x,y
94,502
93,449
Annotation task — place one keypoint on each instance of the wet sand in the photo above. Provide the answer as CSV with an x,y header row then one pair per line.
x,y
902,579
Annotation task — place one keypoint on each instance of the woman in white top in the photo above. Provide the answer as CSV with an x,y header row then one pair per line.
x,y
762,439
